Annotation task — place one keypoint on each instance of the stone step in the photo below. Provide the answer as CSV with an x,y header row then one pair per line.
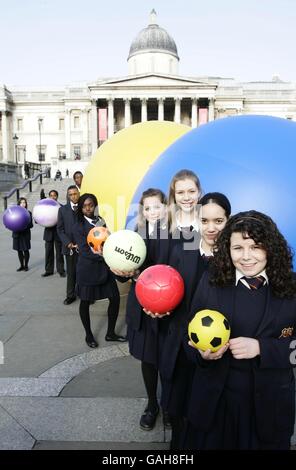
x,y
31,419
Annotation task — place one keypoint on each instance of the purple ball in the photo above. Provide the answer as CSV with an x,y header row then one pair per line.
x,y
16,218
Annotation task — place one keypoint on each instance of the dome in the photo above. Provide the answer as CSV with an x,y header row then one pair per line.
x,y
153,39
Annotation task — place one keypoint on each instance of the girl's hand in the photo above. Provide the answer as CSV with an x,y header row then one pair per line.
x,y
99,253
155,314
208,355
244,348
123,273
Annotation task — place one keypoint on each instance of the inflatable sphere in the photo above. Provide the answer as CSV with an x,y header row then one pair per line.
x,y
160,288
120,163
209,329
96,237
16,218
45,212
249,158
124,250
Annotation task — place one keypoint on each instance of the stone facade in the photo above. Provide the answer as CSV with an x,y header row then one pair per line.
x,y
63,127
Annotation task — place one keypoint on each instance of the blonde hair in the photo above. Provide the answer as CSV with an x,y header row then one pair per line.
x,y
172,210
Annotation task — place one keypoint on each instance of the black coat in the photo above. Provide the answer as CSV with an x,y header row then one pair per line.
x,y
273,392
134,312
22,239
50,234
66,220
191,266
91,269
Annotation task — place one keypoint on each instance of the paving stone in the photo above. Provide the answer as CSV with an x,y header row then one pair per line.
x,y
12,435
82,419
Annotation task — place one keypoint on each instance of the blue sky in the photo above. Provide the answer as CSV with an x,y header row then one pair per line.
x,y
57,42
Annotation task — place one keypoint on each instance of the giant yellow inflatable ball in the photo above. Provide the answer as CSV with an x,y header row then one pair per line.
x,y
209,329
119,165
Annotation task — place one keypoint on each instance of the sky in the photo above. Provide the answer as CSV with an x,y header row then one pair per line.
x,y
59,42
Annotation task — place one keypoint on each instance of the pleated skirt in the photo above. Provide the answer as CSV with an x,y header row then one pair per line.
x,y
104,291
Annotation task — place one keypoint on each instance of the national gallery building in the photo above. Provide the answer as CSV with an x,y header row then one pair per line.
x,y
59,126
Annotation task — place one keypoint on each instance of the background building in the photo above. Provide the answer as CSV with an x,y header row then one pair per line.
x,y
63,127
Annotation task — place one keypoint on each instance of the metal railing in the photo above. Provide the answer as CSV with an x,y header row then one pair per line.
x,y
26,183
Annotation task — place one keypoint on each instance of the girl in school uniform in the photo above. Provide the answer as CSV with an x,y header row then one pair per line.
x,y
93,277
22,240
141,329
243,395
191,260
180,249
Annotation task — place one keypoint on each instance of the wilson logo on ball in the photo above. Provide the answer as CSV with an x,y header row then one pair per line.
x,y
124,250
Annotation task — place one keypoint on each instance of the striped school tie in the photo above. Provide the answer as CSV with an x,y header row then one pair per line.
x,y
255,282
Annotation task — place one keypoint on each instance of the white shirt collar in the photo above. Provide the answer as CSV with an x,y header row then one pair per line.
x,y
202,251
193,224
151,228
73,205
239,276
90,221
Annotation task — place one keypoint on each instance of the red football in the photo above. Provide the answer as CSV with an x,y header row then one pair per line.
x,y
159,288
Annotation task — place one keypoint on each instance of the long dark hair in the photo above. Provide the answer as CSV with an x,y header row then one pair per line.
x,y
82,199
264,232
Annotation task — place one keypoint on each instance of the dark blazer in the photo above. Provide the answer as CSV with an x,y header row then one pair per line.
x,y
50,234
27,231
66,220
191,266
157,253
274,383
91,269
22,239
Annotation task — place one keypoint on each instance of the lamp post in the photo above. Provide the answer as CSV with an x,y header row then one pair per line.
x,y
15,139
25,164
39,127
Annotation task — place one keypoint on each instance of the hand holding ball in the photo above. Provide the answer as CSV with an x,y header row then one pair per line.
x,y
45,212
209,329
16,218
96,238
124,250
160,288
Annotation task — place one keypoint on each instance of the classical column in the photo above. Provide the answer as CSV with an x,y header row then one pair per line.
x,y
85,133
161,109
94,126
110,118
144,110
5,143
68,133
127,112
177,110
211,110
194,113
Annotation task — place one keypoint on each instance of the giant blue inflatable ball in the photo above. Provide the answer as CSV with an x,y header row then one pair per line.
x,y
251,159
16,218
